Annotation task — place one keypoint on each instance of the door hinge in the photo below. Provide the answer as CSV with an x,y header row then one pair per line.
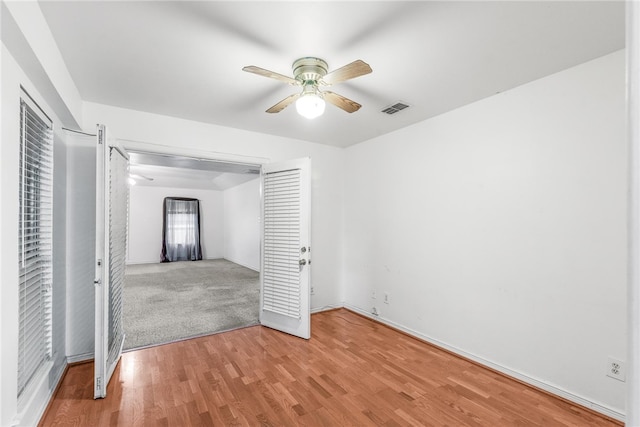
x,y
99,383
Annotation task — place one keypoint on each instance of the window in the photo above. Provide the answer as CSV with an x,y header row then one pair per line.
x,y
181,230
34,242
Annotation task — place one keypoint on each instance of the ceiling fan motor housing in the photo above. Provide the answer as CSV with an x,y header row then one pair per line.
x,y
309,70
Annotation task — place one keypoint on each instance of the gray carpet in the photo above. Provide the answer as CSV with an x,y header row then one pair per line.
x,y
176,300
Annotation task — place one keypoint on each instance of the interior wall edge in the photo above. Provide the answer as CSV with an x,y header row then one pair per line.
x,y
633,267
534,382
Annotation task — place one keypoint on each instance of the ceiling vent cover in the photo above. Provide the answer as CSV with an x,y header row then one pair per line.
x,y
398,106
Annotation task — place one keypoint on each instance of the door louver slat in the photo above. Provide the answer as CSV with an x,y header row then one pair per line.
x,y
118,214
282,237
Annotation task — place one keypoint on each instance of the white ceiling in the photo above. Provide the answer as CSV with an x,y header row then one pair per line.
x,y
185,59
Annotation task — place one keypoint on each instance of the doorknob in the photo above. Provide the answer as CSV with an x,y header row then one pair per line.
x,y
302,262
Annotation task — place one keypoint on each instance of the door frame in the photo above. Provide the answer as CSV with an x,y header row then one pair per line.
x,y
247,161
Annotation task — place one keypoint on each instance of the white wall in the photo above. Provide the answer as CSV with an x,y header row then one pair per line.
x,y
12,77
230,226
145,222
499,230
242,224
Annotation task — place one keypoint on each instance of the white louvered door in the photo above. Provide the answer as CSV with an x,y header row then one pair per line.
x,y
286,248
112,199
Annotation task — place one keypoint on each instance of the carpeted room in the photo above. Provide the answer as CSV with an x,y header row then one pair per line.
x,y
173,301
169,301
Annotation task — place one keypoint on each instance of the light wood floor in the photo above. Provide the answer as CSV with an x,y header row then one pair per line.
x,y
353,372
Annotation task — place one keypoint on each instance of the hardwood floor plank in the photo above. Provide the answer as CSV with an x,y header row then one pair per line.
x,y
353,372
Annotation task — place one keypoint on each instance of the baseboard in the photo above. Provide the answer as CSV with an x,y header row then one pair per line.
x,y
257,270
541,385
129,262
57,380
79,358
41,397
329,307
58,383
141,262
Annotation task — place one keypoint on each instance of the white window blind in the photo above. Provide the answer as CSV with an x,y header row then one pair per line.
x,y
282,243
34,243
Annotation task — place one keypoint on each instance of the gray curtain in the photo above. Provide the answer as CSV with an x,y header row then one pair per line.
x,y
181,231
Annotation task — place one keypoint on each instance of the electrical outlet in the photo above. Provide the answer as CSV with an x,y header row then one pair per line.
x,y
374,311
313,291
616,369
373,295
386,298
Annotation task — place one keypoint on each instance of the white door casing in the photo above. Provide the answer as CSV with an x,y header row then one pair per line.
x,y
285,271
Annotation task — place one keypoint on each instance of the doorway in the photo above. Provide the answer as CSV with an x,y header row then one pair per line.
x,y
171,301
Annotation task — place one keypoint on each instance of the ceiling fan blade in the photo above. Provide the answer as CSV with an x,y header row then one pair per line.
x,y
341,102
284,103
355,69
266,73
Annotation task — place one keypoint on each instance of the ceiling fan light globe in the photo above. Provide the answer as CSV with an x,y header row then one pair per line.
x,y
310,106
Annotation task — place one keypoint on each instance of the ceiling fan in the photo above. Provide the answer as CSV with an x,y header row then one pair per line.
x,y
311,73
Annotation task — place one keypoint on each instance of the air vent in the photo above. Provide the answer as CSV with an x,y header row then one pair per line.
x,y
392,109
